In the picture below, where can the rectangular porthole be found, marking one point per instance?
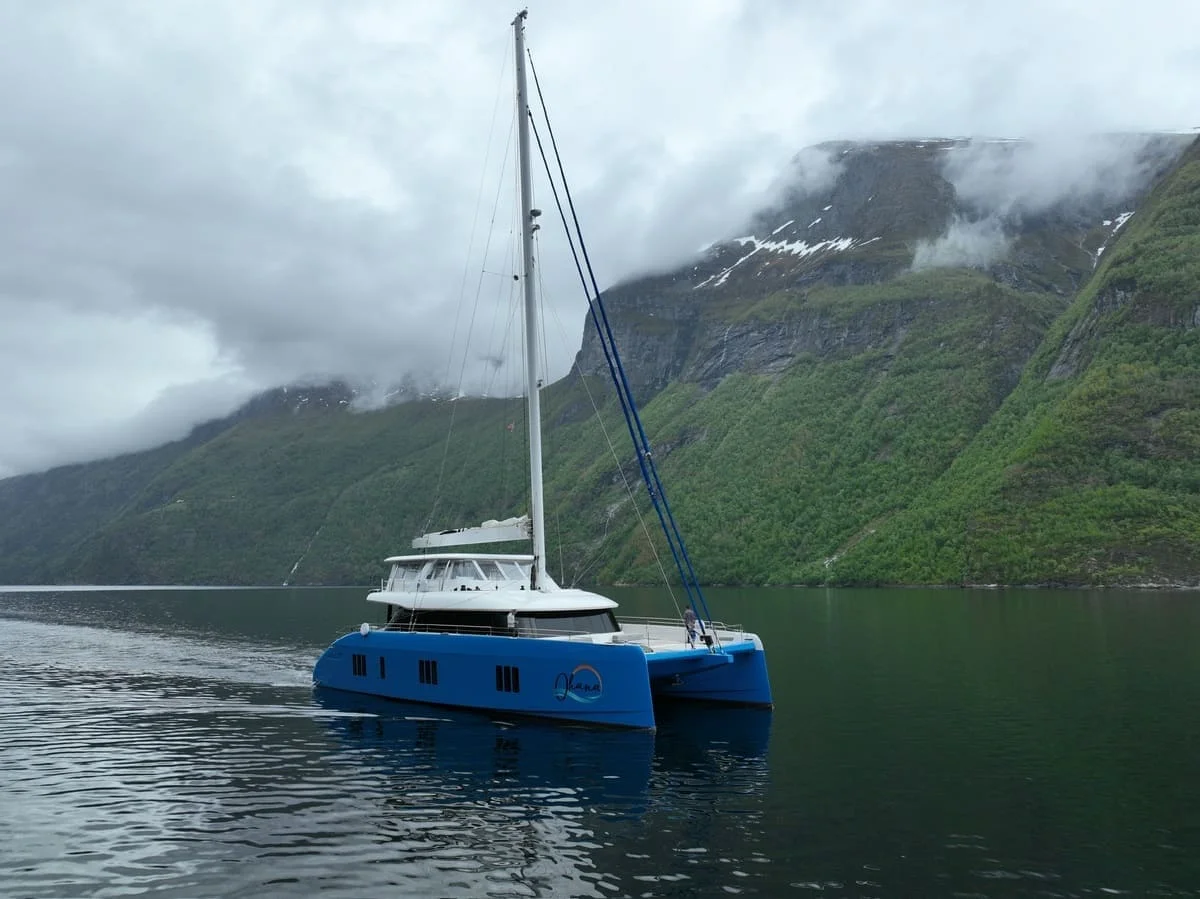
(358, 664)
(382, 668)
(508, 679)
(427, 672)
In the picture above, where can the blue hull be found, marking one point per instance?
(610, 685)
(568, 681)
(737, 674)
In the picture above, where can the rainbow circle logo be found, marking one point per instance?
(584, 684)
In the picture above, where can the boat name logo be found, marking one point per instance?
(584, 684)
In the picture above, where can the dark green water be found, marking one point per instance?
(925, 743)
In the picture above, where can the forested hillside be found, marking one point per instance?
(835, 397)
(1090, 472)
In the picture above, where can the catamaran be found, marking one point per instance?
(494, 632)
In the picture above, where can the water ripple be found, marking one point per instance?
(183, 763)
(171, 743)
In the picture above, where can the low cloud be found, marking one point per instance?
(1001, 182)
(813, 170)
(1080, 171)
(973, 244)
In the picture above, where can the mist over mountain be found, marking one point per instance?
(839, 390)
(864, 213)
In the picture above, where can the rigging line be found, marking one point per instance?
(633, 502)
(518, 304)
(525, 435)
(628, 407)
(510, 303)
(498, 355)
(544, 347)
(506, 405)
(590, 563)
(562, 571)
(478, 204)
(623, 404)
(437, 489)
(479, 286)
(612, 450)
(507, 277)
(654, 485)
(537, 255)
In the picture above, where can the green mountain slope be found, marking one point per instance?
(769, 474)
(819, 416)
(45, 517)
(1090, 472)
(330, 489)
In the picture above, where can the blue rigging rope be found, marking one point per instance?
(633, 420)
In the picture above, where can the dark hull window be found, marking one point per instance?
(508, 679)
(427, 672)
(449, 621)
(548, 624)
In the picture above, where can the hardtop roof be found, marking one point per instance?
(436, 557)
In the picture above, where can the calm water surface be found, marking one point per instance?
(925, 743)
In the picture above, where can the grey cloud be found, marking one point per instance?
(239, 195)
(1028, 177)
(966, 243)
(999, 182)
(812, 170)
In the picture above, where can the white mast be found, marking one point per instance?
(537, 578)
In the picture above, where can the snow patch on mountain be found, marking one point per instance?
(1115, 225)
(799, 248)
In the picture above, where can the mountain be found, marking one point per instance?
(890, 207)
(931, 362)
(1090, 470)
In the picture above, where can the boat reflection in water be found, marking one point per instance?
(471, 755)
(691, 731)
(465, 803)
(475, 755)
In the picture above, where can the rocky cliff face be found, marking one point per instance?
(882, 211)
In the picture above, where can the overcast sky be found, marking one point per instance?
(202, 199)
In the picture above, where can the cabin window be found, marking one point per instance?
(358, 664)
(382, 668)
(514, 572)
(550, 624)
(405, 577)
(491, 570)
(437, 574)
(458, 621)
(508, 679)
(465, 569)
(427, 671)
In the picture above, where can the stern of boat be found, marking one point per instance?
(732, 670)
